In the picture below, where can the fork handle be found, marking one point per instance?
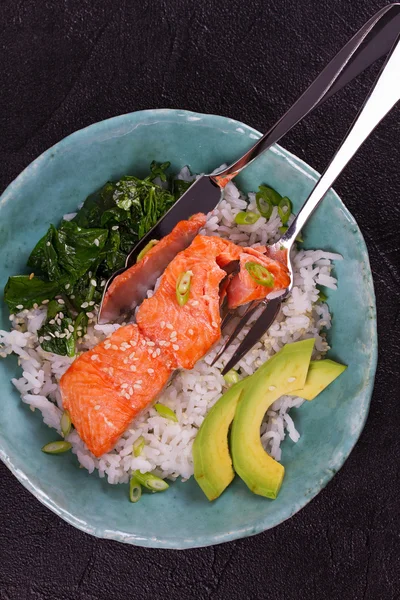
(371, 42)
(384, 94)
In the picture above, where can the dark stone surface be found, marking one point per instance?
(70, 63)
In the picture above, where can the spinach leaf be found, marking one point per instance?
(95, 205)
(57, 334)
(79, 249)
(85, 290)
(44, 257)
(21, 290)
(180, 187)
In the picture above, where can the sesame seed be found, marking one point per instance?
(47, 338)
(132, 354)
(20, 306)
(115, 227)
(62, 335)
(169, 326)
(59, 322)
(172, 335)
(94, 357)
(175, 346)
(137, 386)
(96, 242)
(90, 315)
(291, 379)
(131, 390)
(214, 324)
(154, 355)
(150, 343)
(90, 274)
(44, 301)
(139, 382)
(52, 322)
(79, 333)
(35, 305)
(124, 386)
(72, 296)
(167, 344)
(11, 317)
(114, 347)
(57, 334)
(195, 302)
(60, 301)
(190, 331)
(71, 328)
(161, 343)
(132, 368)
(48, 244)
(67, 286)
(93, 282)
(150, 371)
(126, 360)
(61, 315)
(97, 407)
(107, 346)
(162, 324)
(103, 282)
(31, 276)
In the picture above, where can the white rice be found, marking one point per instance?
(168, 445)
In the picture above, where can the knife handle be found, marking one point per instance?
(371, 42)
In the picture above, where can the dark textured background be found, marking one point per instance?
(68, 63)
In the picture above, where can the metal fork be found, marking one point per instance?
(383, 96)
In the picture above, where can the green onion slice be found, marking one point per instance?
(135, 490)
(56, 447)
(150, 481)
(145, 250)
(246, 218)
(264, 205)
(232, 377)
(322, 297)
(65, 423)
(138, 446)
(269, 193)
(260, 274)
(166, 412)
(284, 210)
(183, 285)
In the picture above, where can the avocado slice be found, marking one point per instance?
(213, 469)
(320, 374)
(285, 372)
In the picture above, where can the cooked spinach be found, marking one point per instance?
(57, 334)
(73, 260)
(24, 291)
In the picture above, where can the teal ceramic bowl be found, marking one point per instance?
(54, 184)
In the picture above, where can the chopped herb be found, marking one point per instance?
(284, 210)
(65, 423)
(246, 218)
(166, 412)
(150, 481)
(260, 274)
(183, 285)
(138, 446)
(145, 250)
(232, 377)
(135, 490)
(56, 447)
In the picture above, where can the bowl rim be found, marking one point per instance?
(260, 526)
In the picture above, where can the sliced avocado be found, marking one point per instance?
(213, 469)
(282, 374)
(320, 374)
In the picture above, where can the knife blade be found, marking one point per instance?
(259, 327)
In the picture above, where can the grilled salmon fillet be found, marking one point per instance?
(129, 288)
(108, 386)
